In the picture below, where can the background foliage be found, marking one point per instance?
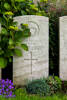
(53, 10)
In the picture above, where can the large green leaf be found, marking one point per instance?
(10, 41)
(18, 52)
(7, 6)
(26, 33)
(3, 21)
(3, 62)
(18, 35)
(24, 46)
(4, 31)
(8, 53)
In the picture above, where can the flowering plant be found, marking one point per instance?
(7, 88)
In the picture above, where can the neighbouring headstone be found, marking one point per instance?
(35, 63)
(63, 48)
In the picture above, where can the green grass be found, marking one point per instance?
(22, 95)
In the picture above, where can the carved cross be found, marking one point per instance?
(31, 61)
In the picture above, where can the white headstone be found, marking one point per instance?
(35, 63)
(63, 48)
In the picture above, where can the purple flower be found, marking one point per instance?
(10, 82)
(3, 81)
(5, 87)
(0, 94)
(7, 81)
(4, 92)
(10, 93)
(7, 90)
(0, 90)
(10, 87)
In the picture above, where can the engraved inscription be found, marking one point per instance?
(31, 61)
(34, 28)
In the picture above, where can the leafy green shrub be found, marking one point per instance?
(59, 82)
(10, 35)
(19, 7)
(54, 83)
(64, 86)
(43, 86)
(38, 86)
(11, 38)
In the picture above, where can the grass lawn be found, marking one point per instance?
(22, 95)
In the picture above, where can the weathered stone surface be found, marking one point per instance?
(63, 48)
(34, 63)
